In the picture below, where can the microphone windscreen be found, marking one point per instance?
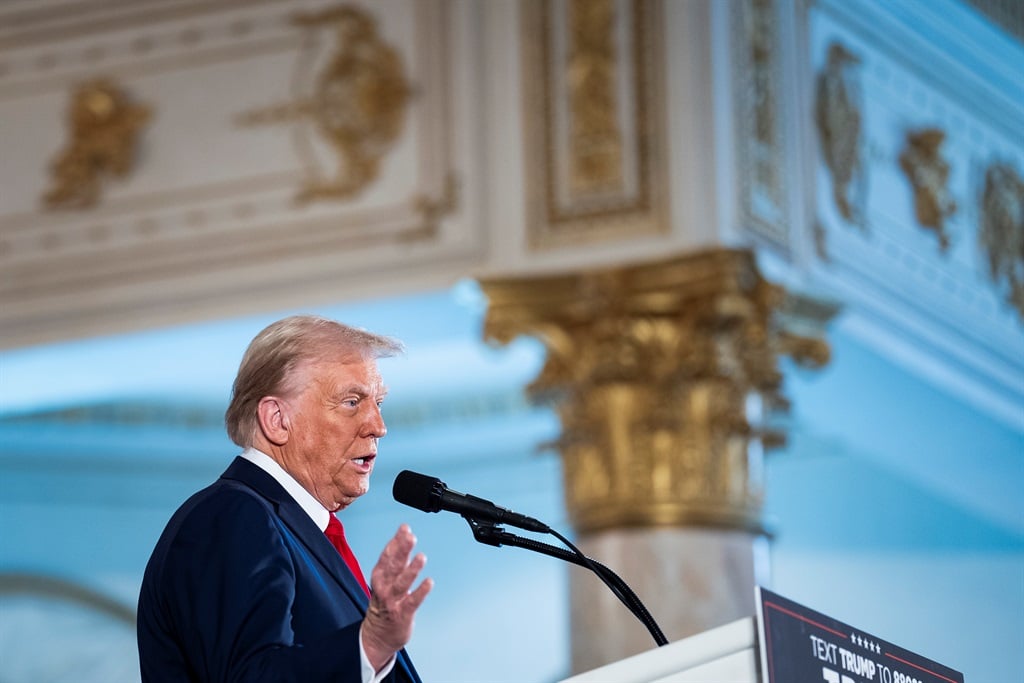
(418, 491)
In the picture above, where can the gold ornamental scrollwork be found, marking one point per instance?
(353, 99)
(665, 377)
(760, 144)
(838, 115)
(921, 161)
(594, 121)
(1001, 233)
(596, 141)
(103, 129)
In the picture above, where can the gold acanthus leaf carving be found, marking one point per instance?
(928, 173)
(663, 376)
(1001, 231)
(103, 126)
(356, 103)
(838, 117)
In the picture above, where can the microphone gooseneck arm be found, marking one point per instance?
(430, 494)
(489, 533)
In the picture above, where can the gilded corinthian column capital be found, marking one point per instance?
(662, 375)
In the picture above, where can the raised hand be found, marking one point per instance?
(388, 624)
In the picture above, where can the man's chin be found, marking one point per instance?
(351, 494)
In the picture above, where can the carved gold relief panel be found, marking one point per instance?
(760, 139)
(364, 93)
(838, 108)
(594, 118)
(103, 127)
(928, 173)
(1001, 230)
(917, 193)
(351, 105)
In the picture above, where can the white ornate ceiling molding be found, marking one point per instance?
(594, 111)
(208, 224)
(911, 111)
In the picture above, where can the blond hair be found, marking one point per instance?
(268, 365)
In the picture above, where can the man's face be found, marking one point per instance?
(334, 427)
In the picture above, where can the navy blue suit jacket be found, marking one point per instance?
(243, 586)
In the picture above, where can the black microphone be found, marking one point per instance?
(430, 494)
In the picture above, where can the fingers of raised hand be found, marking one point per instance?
(395, 572)
(416, 597)
(403, 580)
(393, 605)
(394, 560)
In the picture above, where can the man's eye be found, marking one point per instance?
(350, 402)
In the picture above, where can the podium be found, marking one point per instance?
(784, 643)
(726, 654)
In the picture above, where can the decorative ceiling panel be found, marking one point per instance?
(762, 157)
(594, 109)
(257, 149)
(919, 198)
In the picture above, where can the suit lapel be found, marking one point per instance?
(312, 538)
(301, 526)
(405, 664)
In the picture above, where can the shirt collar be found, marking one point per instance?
(317, 512)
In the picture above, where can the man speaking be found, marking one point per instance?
(252, 579)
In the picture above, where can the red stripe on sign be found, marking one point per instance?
(803, 618)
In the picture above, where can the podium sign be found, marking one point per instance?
(799, 644)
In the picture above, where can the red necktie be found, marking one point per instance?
(336, 534)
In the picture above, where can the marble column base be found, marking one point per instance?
(690, 580)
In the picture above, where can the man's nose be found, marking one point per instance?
(375, 426)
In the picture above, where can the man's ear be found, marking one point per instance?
(272, 414)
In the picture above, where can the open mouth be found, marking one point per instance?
(365, 460)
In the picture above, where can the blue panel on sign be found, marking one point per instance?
(799, 645)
